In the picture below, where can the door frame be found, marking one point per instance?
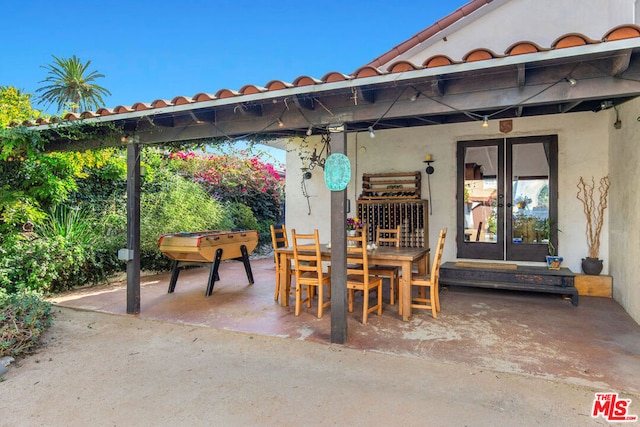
(504, 248)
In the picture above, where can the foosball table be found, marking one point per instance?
(212, 246)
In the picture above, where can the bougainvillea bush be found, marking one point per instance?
(239, 179)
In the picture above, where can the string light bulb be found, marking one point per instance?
(310, 131)
(372, 134)
(485, 122)
(280, 123)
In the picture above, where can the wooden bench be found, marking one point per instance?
(517, 278)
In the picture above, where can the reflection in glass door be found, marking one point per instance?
(509, 206)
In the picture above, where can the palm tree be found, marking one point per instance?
(68, 85)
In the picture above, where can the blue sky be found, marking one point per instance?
(159, 49)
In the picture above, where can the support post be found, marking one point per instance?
(133, 228)
(339, 251)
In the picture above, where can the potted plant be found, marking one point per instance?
(543, 227)
(592, 264)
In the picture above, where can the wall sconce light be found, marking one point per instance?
(372, 134)
(485, 122)
(428, 159)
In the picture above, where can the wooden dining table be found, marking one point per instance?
(383, 255)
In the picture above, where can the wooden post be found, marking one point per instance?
(339, 250)
(133, 228)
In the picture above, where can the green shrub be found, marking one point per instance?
(177, 205)
(23, 319)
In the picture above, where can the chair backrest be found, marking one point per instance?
(306, 253)
(358, 257)
(437, 258)
(279, 238)
(388, 236)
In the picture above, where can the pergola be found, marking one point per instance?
(588, 77)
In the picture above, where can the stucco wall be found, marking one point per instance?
(583, 151)
(624, 208)
(540, 21)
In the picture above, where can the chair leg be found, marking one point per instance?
(298, 299)
(365, 304)
(432, 297)
(320, 301)
(277, 294)
(392, 288)
(380, 300)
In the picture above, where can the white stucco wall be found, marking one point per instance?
(624, 210)
(583, 140)
(503, 23)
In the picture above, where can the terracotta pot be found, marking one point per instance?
(591, 266)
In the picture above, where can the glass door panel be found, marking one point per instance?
(479, 225)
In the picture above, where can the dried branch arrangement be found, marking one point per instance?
(593, 211)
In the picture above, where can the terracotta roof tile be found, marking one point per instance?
(622, 32)
(306, 81)
(572, 40)
(226, 93)
(523, 47)
(480, 55)
(437, 61)
(251, 89)
(520, 48)
(277, 85)
(140, 106)
(201, 97)
(159, 103)
(367, 71)
(181, 100)
(335, 76)
(401, 67)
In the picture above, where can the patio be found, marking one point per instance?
(596, 344)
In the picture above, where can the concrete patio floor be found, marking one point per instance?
(596, 344)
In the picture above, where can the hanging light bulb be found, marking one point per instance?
(310, 131)
(485, 122)
(280, 123)
(372, 134)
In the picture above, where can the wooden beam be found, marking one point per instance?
(364, 94)
(565, 108)
(339, 250)
(133, 228)
(521, 79)
(305, 102)
(248, 110)
(437, 87)
(620, 63)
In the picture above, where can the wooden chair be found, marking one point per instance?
(279, 240)
(388, 237)
(308, 269)
(359, 277)
(431, 302)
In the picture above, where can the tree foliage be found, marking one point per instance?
(70, 84)
(15, 106)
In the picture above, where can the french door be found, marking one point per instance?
(507, 198)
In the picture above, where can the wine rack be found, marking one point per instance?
(410, 215)
(385, 186)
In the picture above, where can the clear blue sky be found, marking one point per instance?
(159, 49)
